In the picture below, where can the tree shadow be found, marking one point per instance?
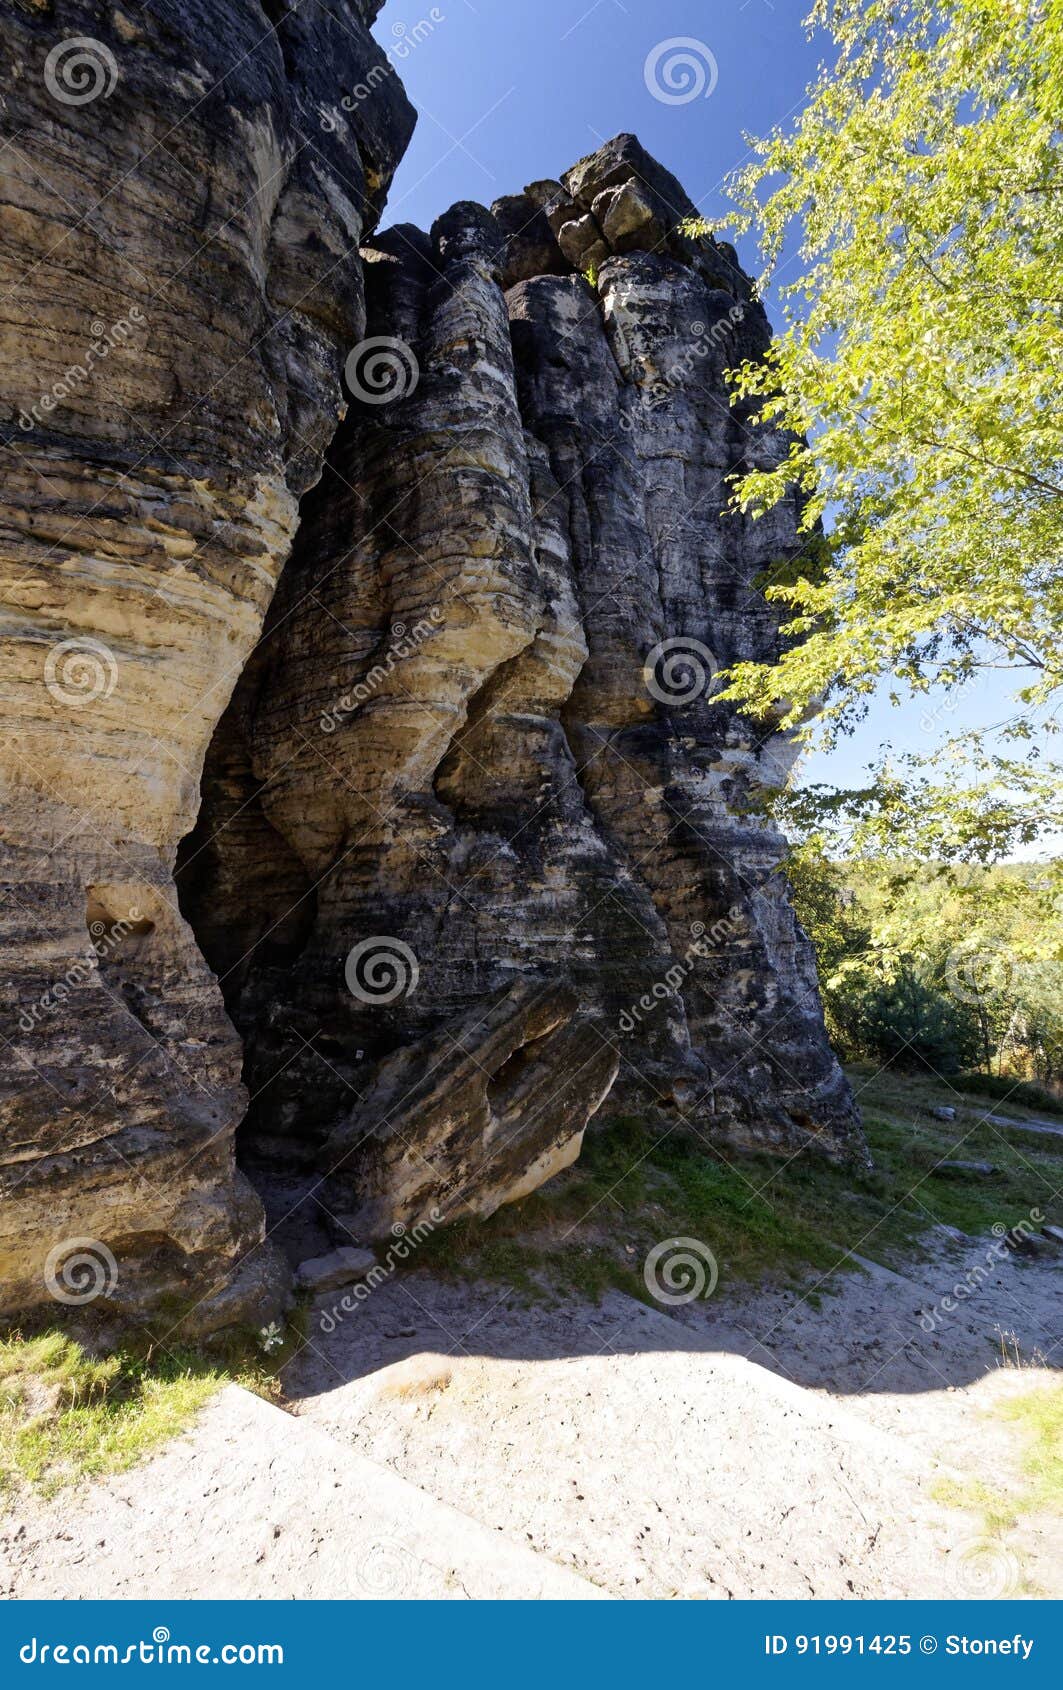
(943, 1323)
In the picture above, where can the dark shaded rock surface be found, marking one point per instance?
(180, 282)
(476, 1115)
(480, 749)
(462, 854)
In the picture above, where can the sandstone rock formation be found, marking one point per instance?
(180, 284)
(470, 840)
(475, 1116)
(479, 746)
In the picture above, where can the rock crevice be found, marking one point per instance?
(180, 281)
(458, 823)
(484, 722)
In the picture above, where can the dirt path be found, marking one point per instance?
(252, 1504)
(757, 1443)
(452, 1440)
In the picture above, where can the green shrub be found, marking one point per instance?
(906, 1019)
(1016, 1091)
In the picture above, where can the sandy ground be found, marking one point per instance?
(452, 1440)
(252, 1504)
(750, 1444)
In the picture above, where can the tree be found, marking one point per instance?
(943, 966)
(920, 374)
(903, 1019)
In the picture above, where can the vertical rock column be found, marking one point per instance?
(404, 738)
(184, 195)
(666, 583)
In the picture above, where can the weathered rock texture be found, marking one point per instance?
(459, 859)
(479, 747)
(183, 202)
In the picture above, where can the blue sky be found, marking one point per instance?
(511, 90)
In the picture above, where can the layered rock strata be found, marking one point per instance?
(479, 756)
(184, 195)
(468, 847)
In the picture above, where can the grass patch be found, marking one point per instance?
(1039, 1416)
(1022, 1093)
(66, 1414)
(637, 1183)
(1002, 1508)
(994, 1506)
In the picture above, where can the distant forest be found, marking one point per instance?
(950, 969)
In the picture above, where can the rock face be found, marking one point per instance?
(477, 767)
(448, 1131)
(469, 843)
(183, 200)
